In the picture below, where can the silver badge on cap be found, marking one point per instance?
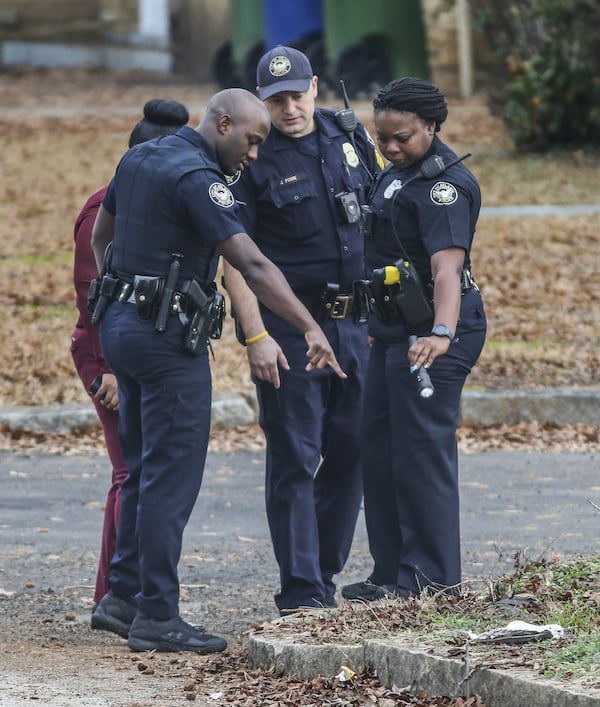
(443, 193)
(280, 66)
(221, 195)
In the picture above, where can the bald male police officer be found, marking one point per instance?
(299, 201)
(169, 214)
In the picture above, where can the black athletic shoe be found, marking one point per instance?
(362, 591)
(367, 591)
(114, 614)
(393, 591)
(326, 603)
(172, 635)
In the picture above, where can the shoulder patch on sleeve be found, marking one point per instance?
(443, 193)
(220, 195)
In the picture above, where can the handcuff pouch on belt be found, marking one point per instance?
(148, 292)
(205, 314)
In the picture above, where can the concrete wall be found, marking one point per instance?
(197, 29)
(65, 19)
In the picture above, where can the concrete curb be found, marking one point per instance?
(397, 662)
(559, 406)
(227, 412)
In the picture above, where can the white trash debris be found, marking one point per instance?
(518, 632)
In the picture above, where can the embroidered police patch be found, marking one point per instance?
(221, 195)
(280, 66)
(351, 156)
(443, 193)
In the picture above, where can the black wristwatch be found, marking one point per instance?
(442, 330)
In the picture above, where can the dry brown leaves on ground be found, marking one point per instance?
(64, 131)
(525, 436)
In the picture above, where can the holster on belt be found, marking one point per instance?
(382, 303)
(105, 295)
(206, 314)
(101, 293)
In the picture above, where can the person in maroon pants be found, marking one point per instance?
(161, 117)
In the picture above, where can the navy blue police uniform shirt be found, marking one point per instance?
(426, 216)
(287, 203)
(170, 195)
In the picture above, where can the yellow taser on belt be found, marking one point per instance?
(392, 274)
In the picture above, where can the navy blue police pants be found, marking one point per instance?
(164, 417)
(410, 473)
(313, 484)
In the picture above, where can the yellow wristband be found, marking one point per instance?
(258, 337)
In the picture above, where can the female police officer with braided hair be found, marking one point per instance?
(410, 474)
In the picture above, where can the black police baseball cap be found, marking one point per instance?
(283, 69)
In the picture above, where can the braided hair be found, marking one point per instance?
(409, 95)
(161, 117)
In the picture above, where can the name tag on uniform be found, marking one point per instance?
(391, 188)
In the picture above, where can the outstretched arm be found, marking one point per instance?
(270, 286)
(264, 353)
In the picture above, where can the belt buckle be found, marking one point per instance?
(340, 306)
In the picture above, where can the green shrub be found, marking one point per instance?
(546, 85)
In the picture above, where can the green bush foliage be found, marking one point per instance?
(547, 83)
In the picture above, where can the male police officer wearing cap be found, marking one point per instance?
(169, 213)
(299, 203)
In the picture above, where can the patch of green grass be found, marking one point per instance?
(507, 346)
(47, 311)
(510, 178)
(39, 259)
(579, 658)
(538, 592)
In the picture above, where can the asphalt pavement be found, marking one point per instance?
(514, 505)
(511, 503)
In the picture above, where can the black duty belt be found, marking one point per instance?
(328, 305)
(126, 293)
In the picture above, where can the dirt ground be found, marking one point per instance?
(48, 653)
